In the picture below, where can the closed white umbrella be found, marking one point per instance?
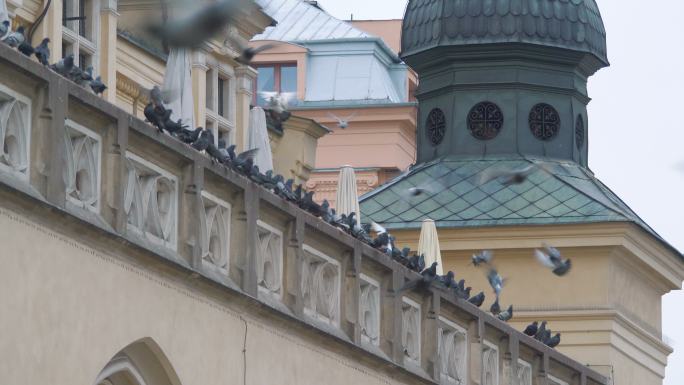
(178, 85)
(347, 194)
(258, 138)
(428, 245)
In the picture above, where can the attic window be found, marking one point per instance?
(544, 122)
(485, 121)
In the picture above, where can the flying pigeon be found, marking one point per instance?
(42, 52)
(482, 257)
(247, 53)
(199, 27)
(552, 259)
(342, 122)
(495, 281)
(507, 177)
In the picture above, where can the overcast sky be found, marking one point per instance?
(636, 128)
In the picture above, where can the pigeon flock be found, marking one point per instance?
(65, 67)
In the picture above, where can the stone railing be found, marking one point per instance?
(65, 148)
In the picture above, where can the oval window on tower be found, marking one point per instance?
(544, 121)
(435, 126)
(485, 121)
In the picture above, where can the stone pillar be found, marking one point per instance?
(245, 76)
(108, 23)
(199, 86)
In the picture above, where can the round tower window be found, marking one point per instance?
(544, 121)
(485, 121)
(579, 132)
(435, 126)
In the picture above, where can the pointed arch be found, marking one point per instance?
(140, 363)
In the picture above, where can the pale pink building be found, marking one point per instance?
(340, 69)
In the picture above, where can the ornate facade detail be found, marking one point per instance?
(215, 232)
(320, 286)
(15, 133)
(410, 331)
(435, 126)
(485, 121)
(453, 352)
(523, 373)
(369, 310)
(269, 259)
(544, 121)
(490, 364)
(151, 201)
(579, 132)
(82, 166)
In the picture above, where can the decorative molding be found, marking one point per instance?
(15, 133)
(82, 166)
(369, 310)
(215, 232)
(269, 259)
(321, 283)
(555, 381)
(453, 352)
(132, 89)
(490, 364)
(411, 330)
(523, 373)
(151, 201)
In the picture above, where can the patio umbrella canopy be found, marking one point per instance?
(347, 201)
(428, 245)
(258, 138)
(178, 84)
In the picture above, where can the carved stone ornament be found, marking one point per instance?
(320, 286)
(545, 121)
(269, 259)
(410, 331)
(579, 132)
(435, 126)
(151, 201)
(485, 121)
(215, 232)
(82, 166)
(490, 365)
(453, 350)
(369, 310)
(524, 373)
(15, 128)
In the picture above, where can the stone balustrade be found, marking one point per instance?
(67, 149)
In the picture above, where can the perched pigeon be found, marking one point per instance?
(428, 276)
(97, 86)
(43, 52)
(86, 77)
(448, 280)
(552, 259)
(416, 263)
(495, 281)
(4, 29)
(188, 136)
(495, 308)
(506, 315)
(16, 38)
(196, 29)
(64, 66)
(342, 122)
(478, 299)
(553, 341)
(532, 328)
(540, 331)
(26, 49)
(482, 257)
(173, 127)
(156, 116)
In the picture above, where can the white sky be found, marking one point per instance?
(636, 133)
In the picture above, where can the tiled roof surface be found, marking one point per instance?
(572, 24)
(558, 192)
(301, 21)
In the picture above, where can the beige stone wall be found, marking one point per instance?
(71, 307)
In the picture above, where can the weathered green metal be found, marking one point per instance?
(568, 24)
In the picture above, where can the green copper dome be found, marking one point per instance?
(569, 24)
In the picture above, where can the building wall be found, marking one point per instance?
(387, 30)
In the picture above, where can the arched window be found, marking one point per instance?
(140, 363)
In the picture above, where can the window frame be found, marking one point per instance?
(222, 125)
(77, 39)
(277, 81)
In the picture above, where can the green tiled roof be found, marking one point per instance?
(558, 192)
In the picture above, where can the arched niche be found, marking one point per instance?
(140, 363)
